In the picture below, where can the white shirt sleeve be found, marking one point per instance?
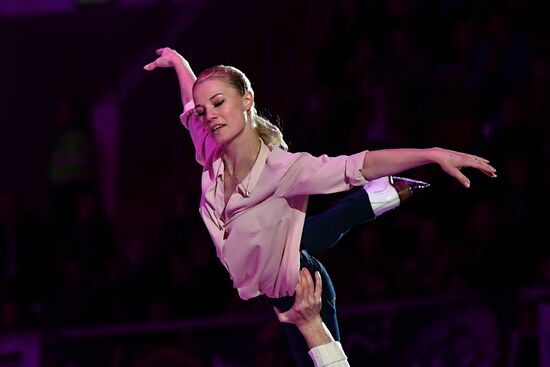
(329, 355)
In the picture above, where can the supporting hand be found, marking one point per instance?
(307, 305)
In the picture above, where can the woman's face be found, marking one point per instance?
(221, 109)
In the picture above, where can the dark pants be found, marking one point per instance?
(321, 232)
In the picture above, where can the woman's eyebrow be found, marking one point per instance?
(214, 96)
(211, 98)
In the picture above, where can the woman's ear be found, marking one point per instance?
(248, 99)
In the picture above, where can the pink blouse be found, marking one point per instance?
(257, 237)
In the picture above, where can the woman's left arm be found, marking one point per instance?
(386, 162)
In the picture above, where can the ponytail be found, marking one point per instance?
(270, 134)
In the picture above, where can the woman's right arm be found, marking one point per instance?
(169, 58)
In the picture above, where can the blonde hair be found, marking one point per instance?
(268, 132)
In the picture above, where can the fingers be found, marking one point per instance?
(310, 299)
(491, 172)
(455, 172)
(482, 165)
(307, 282)
(150, 66)
(161, 52)
(306, 292)
(300, 287)
(308, 286)
(457, 161)
(280, 315)
(479, 159)
(319, 285)
(307, 304)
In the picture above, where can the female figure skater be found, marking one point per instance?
(255, 193)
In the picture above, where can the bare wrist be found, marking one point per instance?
(315, 333)
(310, 324)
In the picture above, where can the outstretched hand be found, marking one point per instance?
(168, 58)
(453, 162)
(307, 305)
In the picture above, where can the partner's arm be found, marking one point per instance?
(305, 314)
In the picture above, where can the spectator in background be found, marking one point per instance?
(72, 164)
(14, 312)
(271, 348)
(91, 238)
(181, 222)
(138, 277)
(373, 279)
(25, 253)
(427, 270)
(70, 303)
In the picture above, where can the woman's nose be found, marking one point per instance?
(211, 114)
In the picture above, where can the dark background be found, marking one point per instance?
(102, 210)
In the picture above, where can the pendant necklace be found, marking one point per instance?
(237, 183)
(234, 179)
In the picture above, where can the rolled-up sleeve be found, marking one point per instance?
(311, 175)
(329, 355)
(205, 146)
